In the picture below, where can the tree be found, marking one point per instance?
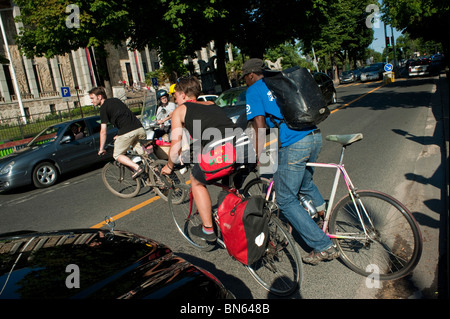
(52, 28)
(338, 32)
(425, 19)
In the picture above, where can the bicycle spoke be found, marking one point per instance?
(280, 269)
(389, 243)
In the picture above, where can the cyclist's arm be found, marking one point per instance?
(175, 138)
(259, 125)
(103, 133)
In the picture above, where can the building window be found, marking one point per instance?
(52, 108)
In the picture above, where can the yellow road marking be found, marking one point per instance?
(131, 210)
(358, 98)
(128, 211)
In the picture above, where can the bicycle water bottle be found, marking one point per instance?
(308, 205)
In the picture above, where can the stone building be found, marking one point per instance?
(39, 80)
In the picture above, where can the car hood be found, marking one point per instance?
(100, 264)
(21, 153)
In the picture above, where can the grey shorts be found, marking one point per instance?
(123, 142)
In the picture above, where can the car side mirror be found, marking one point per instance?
(66, 139)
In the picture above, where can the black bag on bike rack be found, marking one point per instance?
(298, 96)
(244, 226)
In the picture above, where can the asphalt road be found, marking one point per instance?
(399, 155)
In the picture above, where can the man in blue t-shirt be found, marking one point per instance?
(292, 176)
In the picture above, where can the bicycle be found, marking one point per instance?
(118, 177)
(279, 270)
(375, 233)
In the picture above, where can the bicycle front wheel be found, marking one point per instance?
(186, 216)
(279, 270)
(391, 245)
(117, 179)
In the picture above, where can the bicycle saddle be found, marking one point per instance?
(345, 139)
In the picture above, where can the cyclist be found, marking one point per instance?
(292, 175)
(164, 112)
(114, 111)
(197, 117)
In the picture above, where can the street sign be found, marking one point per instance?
(65, 93)
(388, 67)
(155, 82)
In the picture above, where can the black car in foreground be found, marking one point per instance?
(98, 264)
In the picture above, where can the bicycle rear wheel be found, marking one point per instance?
(117, 179)
(185, 216)
(393, 246)
(173, 179)
(280, 269)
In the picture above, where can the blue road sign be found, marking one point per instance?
(65, 91)
(155, 81)
(388, 67)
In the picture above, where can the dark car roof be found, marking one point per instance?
(112, 264)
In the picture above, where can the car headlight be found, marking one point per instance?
(6, 169)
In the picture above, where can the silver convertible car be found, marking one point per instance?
(58, 149)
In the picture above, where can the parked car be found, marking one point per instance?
(99, 264)
(357, 74)
(233, 102)
(437, 62)
(347, 77)
(326, 85)
(373, 72)
(58, 149)
(419, 67)
(207, 97)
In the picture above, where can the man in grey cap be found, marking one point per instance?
(292, 176)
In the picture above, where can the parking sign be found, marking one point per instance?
(65, 93)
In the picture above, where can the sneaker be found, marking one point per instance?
(315, 257)
(198, 231)
(138, 172)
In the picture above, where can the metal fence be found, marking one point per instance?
(14, 133)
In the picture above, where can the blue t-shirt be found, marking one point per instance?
(260, 101)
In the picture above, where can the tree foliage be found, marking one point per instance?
(425, 19)
(177, 28)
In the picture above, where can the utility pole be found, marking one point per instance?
(393, 45)
(387, 43)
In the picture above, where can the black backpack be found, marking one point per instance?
(298, 96)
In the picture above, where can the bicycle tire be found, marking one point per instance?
(395, 246)
(117, 179)
(280, 269)
(173, 179)
(184, 221)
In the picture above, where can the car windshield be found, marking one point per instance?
(346, 72)
(48, 135)
(231, 98)
(370, 69)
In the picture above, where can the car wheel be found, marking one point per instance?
(44, 175)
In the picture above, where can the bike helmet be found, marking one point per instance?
(161, 93)
(172, 89)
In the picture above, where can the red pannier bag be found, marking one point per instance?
(218, 162)
(244, 226)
